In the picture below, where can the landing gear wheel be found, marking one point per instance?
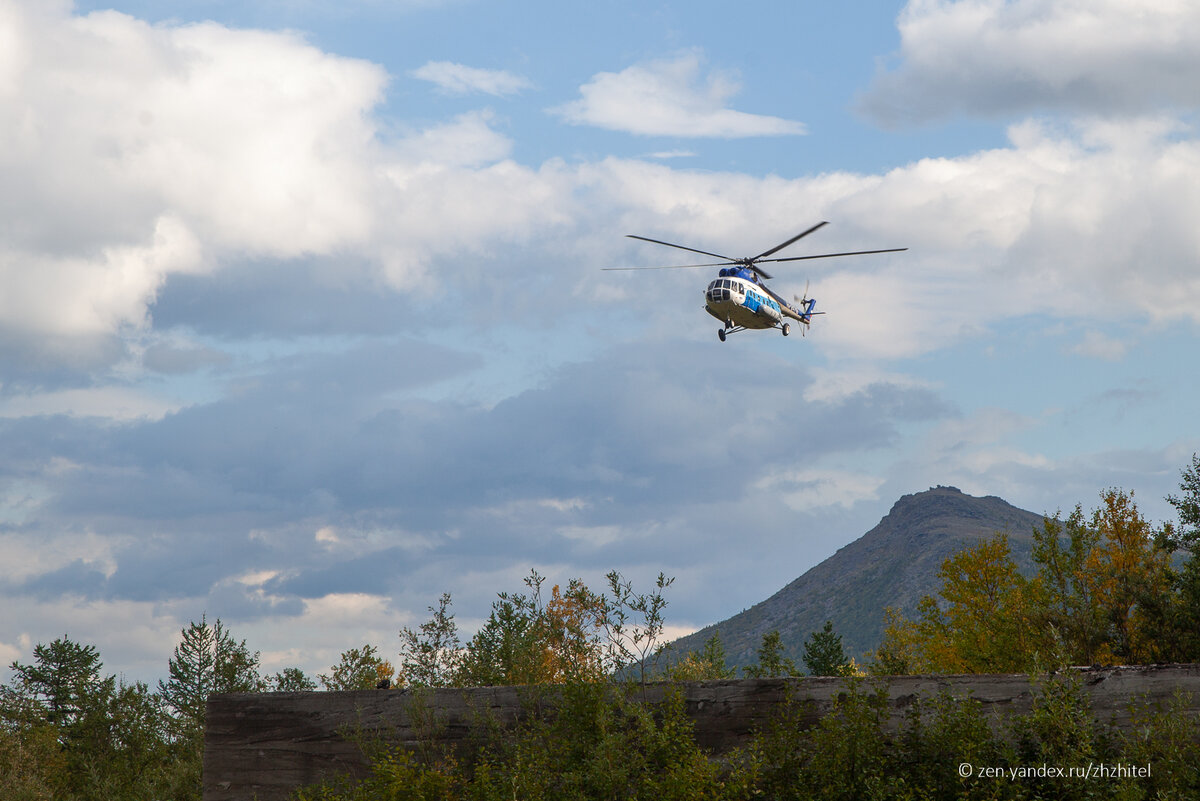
(786, 329)
(721, 333)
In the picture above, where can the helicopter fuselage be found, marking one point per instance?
(738, 299)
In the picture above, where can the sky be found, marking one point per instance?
(303, 320)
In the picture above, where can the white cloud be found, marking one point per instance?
(834, 385)
(466, 141)
(1001, 57)
(667, 98)
(24, 558)
(1097, 345)
(114, 403)
(458, 79)
(807, 489)
(131, 152)
(47, 294)
(594, 536)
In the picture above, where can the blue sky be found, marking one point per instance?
(303, 322)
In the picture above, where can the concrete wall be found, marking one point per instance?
(263, 745)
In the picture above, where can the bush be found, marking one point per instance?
(598, 741)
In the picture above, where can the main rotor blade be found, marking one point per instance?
(676, 266)
(832, 255)
(681, 247)
(778, 248)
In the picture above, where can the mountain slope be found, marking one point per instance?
(893, 564)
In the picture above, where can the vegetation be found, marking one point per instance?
(771, 661)
(600, 741)
(1108, 587)
(823, 654)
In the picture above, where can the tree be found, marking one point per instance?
(63, 678)
(979, 622)
(1134, 577)
(1105, 583)
(120, 749)
(207, 660)
(708, 664)
(505, 650)
(573, 630)
(530, 641)
(823, 654)
(987, 618)
(291, 680)
(430, 656)
(82, 735)
(771, 661)
(632, 645)
(1185, 610)
(359, 669)
(1066, 583)
(1187, 506)
(574, 636)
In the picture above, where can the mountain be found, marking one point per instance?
(893, 564)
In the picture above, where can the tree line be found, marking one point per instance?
(68, 731)
(1109, 588)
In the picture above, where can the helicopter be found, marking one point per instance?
(740, 299)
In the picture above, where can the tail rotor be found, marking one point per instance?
(806, 309)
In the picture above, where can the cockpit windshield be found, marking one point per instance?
(722, 289)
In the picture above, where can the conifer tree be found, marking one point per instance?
(823, 654)
(207, 660)
(63, 677)
(771, 661)
(1185, 611)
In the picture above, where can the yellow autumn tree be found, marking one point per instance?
(573, 635)
(982, 620)
(1133, 577)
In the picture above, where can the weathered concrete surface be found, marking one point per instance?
(264, 745)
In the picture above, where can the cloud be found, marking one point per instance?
(108, 403)
(663, 98)
(998, 57)
(383, 497)
(188, 209)
(808, 489)
(467, 141)
(134, 153)
(458, 79)
(1097, 345)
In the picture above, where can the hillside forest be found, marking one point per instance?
(1109, 587)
